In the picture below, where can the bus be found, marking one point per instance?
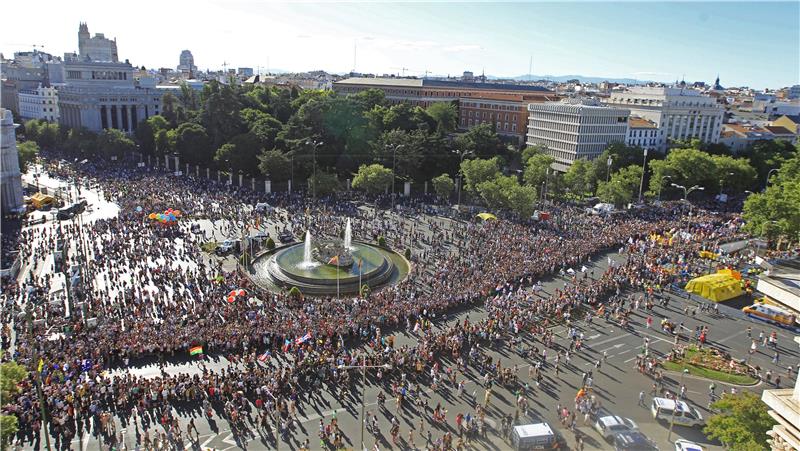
(771, 314)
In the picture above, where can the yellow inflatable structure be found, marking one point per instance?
(717, 287)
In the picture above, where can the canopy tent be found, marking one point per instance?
(718, 287)
(39, 200)
(486, 216)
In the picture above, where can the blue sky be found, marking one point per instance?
(755, 44)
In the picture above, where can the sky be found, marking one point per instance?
(754, 44)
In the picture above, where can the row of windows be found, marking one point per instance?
(492, 106)
(641, 142)
(636, 133)
(109, 75)
(482, 115)
(504, 126)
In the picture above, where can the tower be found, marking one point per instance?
(83, 38)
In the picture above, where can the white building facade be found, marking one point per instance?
(573, 129)
(681, 113)
(10, 177)
(784, 407)
(643, 133)
(39, 103)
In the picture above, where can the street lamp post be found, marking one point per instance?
(687, 191)
(364, 367)
(661, 185)
(314, 145)
(461, 155)
(722, 182)
(608, 168)
(766, 183)
(394, 163)
(641, 183)
(677, 401)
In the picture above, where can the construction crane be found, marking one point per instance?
(404, 69)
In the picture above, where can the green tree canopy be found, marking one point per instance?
(27, 152)
(11, 374)
(536, 169)
(742, 422)
(8, 429)
(530, 151)
(623, 186)
(240, 154)
(482, 141)
(776, 211)
(192, 143)
(373, 178)
(478, 171)
(735, 175)
(401, 149)
(325, 183)
(446, 116)
(505, 192)
(112, 142)
(443, 186)
(578, 178)
(275, 165)
(146, 133)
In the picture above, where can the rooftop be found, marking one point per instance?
(778, 130)
(430, 83)
(638, 122)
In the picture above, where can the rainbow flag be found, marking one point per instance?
(195, 350)
(334, 260)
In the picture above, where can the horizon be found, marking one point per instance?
(586, 39)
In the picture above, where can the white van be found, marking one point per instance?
(535, 436)
(685, 415)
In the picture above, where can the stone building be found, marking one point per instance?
(10, 177)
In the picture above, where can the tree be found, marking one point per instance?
(478, 171)
(536, 169)
(687, 167)
(275, 165)
(735, 175)
(112, 142)
(146, 133)
(530, 151)
(521, 200)
(240, 154)
(742, 422)
(8, 429)
(443, 185)
(765, 155)
(192, 143)
(482, 141)
(446, 116)
(27, 152)
(50, 135)
(505, 192)
(622, 187)
(578, 178)
(266, 130)
(81, 141)
(374, 178)
(401, 150)
(11, 374)
(325, 182)
(776, 211)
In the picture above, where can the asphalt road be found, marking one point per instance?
(617, 384)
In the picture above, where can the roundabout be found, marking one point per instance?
(328, 267)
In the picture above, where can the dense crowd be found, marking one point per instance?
(152, 293)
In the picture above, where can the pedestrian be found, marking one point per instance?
(641, 399)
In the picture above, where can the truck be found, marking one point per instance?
(602, 209)
(535, 436)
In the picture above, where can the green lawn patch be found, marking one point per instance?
(209, 246)
(699, 362)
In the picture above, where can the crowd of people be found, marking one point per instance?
(148, 291)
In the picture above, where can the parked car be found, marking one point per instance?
(609, 425)
(535, 436)
(633, 441)
(684, 415)
(686, 445)
(286, 237)
(227, 247)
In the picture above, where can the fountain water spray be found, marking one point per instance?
(348, 236)
(308, 260)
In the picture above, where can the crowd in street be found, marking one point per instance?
(150, 293)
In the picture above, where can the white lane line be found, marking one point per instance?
(592, 337)
(623, 352)
(630, 360)
(731, 336)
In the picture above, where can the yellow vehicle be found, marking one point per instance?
(772, 314)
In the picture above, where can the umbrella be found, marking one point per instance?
(486, 216)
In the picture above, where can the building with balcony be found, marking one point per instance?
(39, 103)
(507, 112)
(681, 113)
(643, 133)
(575, 128)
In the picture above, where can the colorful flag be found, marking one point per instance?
(334, 260)
(41, 365)
(286, 345)
(195, 350)
(264, 357)
(303, 339)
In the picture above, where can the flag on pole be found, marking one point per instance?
(334, 260)
(195, 350)
(264, 357)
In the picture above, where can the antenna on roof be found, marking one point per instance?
(530, 67)
(355, 43)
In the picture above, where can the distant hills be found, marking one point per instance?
(582, 78)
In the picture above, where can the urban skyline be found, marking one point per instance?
(659, 41)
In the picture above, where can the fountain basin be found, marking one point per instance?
(372, 266)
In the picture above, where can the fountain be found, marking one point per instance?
(348, 236)
(312, 268)
(308, 259)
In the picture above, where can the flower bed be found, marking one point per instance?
(710, 364)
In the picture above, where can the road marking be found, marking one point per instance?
(616, 346)
(731, 336)
(631, 359)
(592, 337)
(623, 352)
